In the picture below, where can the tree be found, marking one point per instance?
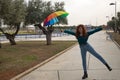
(41, 10)
(37, 11)
(4, 8)
(48, 10)
(111, 24)
(13, 13)
(0, 42)
(34, 12)
(118, 22)
(47, 31)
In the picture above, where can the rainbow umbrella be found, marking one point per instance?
(52, 18)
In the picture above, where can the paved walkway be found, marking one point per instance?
(68, 66)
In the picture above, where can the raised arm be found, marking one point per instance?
(94, 31)
(69, 32)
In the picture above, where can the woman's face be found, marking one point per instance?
(80, 29)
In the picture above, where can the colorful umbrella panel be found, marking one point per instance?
(52, 18)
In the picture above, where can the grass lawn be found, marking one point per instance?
(24, 55)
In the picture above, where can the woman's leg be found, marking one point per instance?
(83, 55)
(93, 52)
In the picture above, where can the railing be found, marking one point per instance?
(32, 36)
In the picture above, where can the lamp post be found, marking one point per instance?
(115, 4)
(108, 19)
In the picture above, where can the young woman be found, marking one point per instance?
(82, 36)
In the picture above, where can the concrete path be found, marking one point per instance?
(68, 66)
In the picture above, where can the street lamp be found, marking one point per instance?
(108, 19)
(115, 4)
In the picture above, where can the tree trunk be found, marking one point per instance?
(115, 29)
(119, 30)
(48, 38)
(11, 39)
(0, 45)
(47, 32)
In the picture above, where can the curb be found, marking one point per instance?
(116, 43)
(41, 64)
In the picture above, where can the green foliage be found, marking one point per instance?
(38, 10)
(4, 8)
(111, 23)
(17, 13)
(12, 11)
(118, 20)
(35, 11)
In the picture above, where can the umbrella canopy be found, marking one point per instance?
(52, 18)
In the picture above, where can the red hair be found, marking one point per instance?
(84, 32)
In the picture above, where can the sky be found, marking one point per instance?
(87, 12)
